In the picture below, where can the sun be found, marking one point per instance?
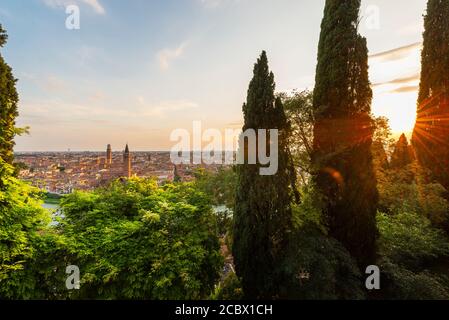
(395, 75)
(399, 108)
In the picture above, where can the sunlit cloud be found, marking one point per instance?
(93, 4)
(401, 80)
(397, 53)
(56, 110)
(405, 89)
(166, 56)
(395, 76)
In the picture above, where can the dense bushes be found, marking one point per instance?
(22, 232)
(137, 240)
(409, 239)
(132, 240)
(409, 246)
(319, 267)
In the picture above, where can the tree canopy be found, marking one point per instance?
(343, 131)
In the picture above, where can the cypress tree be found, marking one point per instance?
(431, 133)
(176, 177)
(380, 158)
(343, 131)
(401, 156)
(263, 214)
(8, 106)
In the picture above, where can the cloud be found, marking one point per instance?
(405, 89)
(402, 80)
(93, 4)
(161, 109)
(167, 56)
(56, 110)
(397, 70)
(397, 53)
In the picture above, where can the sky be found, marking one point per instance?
(136, 70)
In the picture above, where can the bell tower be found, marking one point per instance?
(126, 163)
(109, 155)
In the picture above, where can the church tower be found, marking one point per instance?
(126, 163)
(109, 155)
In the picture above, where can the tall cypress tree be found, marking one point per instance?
(263, 214)
(176, 176)
(431, 133)
(343, 131)
(401, 156)
(8, 106)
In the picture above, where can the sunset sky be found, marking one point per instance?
(138, 69)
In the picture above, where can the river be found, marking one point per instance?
(50, 206)
(55, 210)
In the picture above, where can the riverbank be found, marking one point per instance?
(52, 199)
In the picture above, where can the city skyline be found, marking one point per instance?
(134, 72)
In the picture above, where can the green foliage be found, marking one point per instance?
(381, 146)
(299, 111)
(383, 132)
(317, 267)
(263, 215)
(333, 273)
(408, 245)
(342, 87)
(132, 240)
(220, 186)
(52, 198)
(343, 131)
(397, 189)
(3, 36)
(409, 188)
(230, 289)
(135, 240)
(23, 230)
(412, 250)
(433, 203)
(401, 156)
(410, 239)
(43, 274)
(8, 106)
(430, 137)
(176, 177)
(309, 211)
(402, 284)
